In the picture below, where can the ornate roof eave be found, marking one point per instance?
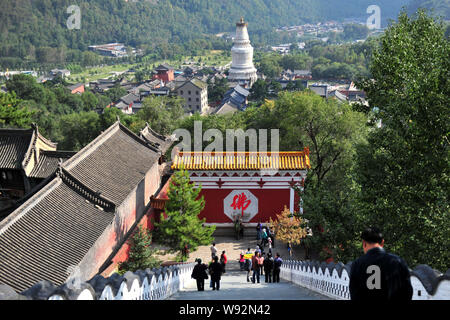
(86, 192)
(32, 147)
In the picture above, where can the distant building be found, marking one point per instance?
(164, 73)
(76, 88)
(320, 89)
(60, 72)
(195, 94)
(336, 94)
(234, 100)
(110, 49)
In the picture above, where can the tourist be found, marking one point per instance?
(378, 275)
(223, 261)
(277, 262)
(255, 267)
(264, 237)
(271, 236)
(215, 270)
(261, 263)
(248, 265)
(199, 274)
(258, 231)
(289, 248)
(213, 251)
(270, 243)
(241, 260)
(268, 268)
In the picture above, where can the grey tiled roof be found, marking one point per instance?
(14, 144)
(114, 163)
(53, 230)
(48, 163)
(155, 139)
(56, 227)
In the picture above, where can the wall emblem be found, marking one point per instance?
(240, 203)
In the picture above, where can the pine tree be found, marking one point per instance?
(141, 256)
(181, 230)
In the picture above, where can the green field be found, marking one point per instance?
(216, 58)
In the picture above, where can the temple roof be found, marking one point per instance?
(48, 162)
(56, 226)
(160, 142)
(164, 67)
(14, 144)
(17, 146)
(50, 232)
(114, 163)
(283, 160)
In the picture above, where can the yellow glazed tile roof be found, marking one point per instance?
(283, 160)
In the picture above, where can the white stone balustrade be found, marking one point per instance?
(156, 284)
(332, 279)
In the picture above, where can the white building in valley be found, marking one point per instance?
(242, 68)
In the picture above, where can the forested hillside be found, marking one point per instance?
(28, 29)
(440, 8)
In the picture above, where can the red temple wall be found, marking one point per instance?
(270, 203)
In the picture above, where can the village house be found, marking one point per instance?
(76, 88)
(195, 94)
(234, 100)
(164, 73)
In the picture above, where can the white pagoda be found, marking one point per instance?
(242, 68)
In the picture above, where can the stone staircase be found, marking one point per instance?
(249, 233)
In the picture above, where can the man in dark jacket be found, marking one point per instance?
(277, 268)
(199, 274)
(215, 270)
(378, 275)
(268, 268)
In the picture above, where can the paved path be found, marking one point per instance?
(232, 248)
(234, 286)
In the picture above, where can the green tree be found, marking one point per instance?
(331, 131)
(181, 230)
(116, 92)
(161, 112)
(11, 113)
(141, 256)
(78, 129)
(259, 91)
(404, 168)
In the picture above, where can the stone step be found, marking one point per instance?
(249, 233)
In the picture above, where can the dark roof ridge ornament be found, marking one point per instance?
(59, 170)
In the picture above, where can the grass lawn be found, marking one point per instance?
(211, 58)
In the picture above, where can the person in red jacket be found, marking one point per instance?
(223, 261)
